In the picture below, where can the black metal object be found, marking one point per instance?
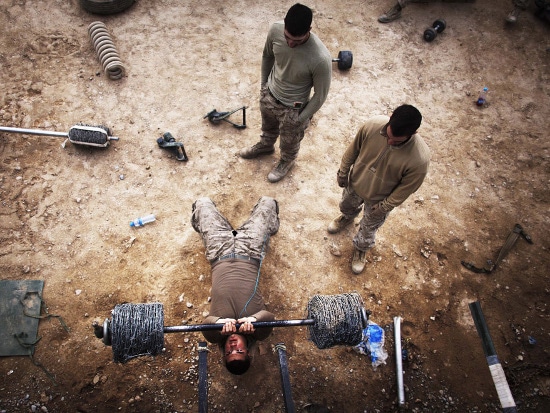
(344, 59)
(79, 134)
(104, 331)
(203, 377)
(256, 324)
(168, 141)
(216, 117)
(497, 373)
(437, 27)
(517, 232)
(285, 378)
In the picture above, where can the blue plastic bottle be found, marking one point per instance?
(482, 97)
(139, 222)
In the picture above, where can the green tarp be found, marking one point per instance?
(20, 302)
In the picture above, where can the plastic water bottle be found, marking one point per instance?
(139, 222)
(376, 341)
(482, 97)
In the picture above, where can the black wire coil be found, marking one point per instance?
(137, 330)
(338, 319)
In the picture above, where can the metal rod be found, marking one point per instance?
(399, 361)
(285, 379)
(33, 132)
(497, 373)
(203, 377)
(256, 324)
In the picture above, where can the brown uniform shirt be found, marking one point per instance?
(233, 288)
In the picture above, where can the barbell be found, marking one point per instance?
(138, 329)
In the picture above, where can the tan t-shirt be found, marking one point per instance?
(236, 295)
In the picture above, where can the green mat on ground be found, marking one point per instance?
(20, 302)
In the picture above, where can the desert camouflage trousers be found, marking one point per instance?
(280, 121)
(251, 239)
(350, 207)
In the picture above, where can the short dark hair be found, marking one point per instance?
(405, 120)
(298, 20)
(238, 367)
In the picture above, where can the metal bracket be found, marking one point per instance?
(168, 141)
(517, 232)
(216, 117)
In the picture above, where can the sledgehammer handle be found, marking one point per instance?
(497, 373)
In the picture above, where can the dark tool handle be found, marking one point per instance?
(497, 373)
(285, 378)
(203, 377)
(256, 324)
(482, 329)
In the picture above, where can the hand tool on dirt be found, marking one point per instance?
(216, 117)
(203, 377)
(437, 27)
(79, 134)
(168, 141)
(285, 378)
(344, 59)
(497, 373)
(510, 241)
(138, 329)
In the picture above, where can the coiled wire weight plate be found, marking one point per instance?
(339, 319)
(106, 50)
(137, 330)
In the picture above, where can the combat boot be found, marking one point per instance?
(358, 261)
(392, 14)
(256, 150)
(280, 171)
(338, 224)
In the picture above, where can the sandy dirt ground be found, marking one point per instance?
(64, 212)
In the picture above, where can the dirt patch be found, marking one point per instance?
(65, 212)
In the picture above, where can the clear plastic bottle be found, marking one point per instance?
(139, 222)
(482, 97)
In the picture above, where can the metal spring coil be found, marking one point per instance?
(338, 319)
(105, 48)
(137, 330)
